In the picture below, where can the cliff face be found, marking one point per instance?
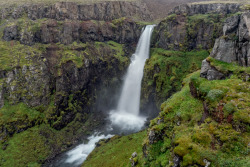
(55, 60)
(68, 10)
(205, 122)
(236, 35)
(51, 31)
(193, 26)
(211, 8)
(232, 47)
(68, 22)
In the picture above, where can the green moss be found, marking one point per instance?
(195, 22)
(165, 71)
(25, 149)
(221, 138)
(116, 151)
(14, 54)
(228, 68)
(10, 113)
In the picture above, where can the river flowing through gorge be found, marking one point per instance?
(126, 117)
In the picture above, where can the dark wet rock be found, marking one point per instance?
(1, 96)
(73, 11)
(127, 31)
(27, 38)
(154, 136)
(193, 90)
(10, 33)
(176, 160)
(209, 72)
(181, 31)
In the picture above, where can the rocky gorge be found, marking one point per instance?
(59, 63)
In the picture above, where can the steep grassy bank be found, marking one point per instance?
(206, 122)
(165, 70)
(116, 151)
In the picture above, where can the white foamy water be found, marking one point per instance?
(126, 116)
(79, 154)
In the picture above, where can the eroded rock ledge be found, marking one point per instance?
(193, 26)
(232, 47)
(212, 8)
(69, 10)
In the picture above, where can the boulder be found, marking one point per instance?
(209, 72)
(133, 159)
(10, 33)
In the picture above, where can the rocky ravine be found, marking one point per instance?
(54, 63)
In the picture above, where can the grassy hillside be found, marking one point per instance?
(205, 121)
(116, 151)
(209, 126)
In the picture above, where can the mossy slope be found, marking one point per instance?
(116, 151)
(205, 121)
(165, 70)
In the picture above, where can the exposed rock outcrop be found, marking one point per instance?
(51, 31)
(133, 159)
(186, 27)
(56, 84)
(69, 10)
(212, 8)
(209, 72)
(233, 46)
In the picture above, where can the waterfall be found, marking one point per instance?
(126, 116)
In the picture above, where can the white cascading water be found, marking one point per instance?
(126, 117)
(79, 154)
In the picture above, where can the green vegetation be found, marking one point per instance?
(194, 23)
(28, 148)
(34, 145)
(28, 134)
(14, 54)
(18, 117)
(165, 70)
(116, 151)
(212, 125)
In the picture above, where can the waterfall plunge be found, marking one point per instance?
(126, 116)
